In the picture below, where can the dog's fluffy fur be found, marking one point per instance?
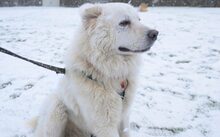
(81, 106)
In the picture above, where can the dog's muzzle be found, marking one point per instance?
(151, 37)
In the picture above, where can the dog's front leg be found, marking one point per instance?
(106, 115)
(124, 127)
(52, 122)
(107, 132)
(128, 100)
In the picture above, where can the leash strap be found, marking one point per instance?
(124, 84)
(52, 68)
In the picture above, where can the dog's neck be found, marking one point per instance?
(104, 68)
(111, 67)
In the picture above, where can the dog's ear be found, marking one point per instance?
(89, 14)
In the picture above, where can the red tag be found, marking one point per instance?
(124, 84)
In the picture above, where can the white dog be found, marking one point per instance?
(94, 96)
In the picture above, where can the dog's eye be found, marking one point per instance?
(125, 23)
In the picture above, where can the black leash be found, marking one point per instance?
(52, 68)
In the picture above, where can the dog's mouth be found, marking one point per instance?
(123, 49)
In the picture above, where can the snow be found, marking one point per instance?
(178, 94)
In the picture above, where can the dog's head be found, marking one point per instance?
(116, 27)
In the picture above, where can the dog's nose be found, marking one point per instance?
(152, 34)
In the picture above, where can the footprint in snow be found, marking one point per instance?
(183, 61)
(4, 85)
(134, 126)
(15, 95)
(19, 136)
(165, 131)
(216, 51)
(26, 87)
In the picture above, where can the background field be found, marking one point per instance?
(74, 3)
(178, 92)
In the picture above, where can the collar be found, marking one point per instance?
(88, 76)
(123, 83)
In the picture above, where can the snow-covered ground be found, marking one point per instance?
(179, 88)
